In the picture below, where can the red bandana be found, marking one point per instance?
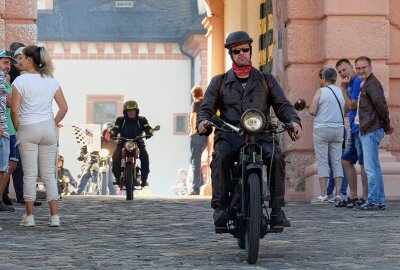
(242, 71)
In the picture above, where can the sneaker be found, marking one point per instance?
(6, 208)
(7, 200)
(368, 206)
(27, 221)
(330, 198)
(54, 221)
(382, 207)
(320, 199)
(221, 217)
(278, 219)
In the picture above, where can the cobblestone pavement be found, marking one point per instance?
(177, 233)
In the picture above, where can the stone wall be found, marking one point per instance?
(18, 22)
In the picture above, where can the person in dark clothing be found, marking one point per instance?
(197, 143)
(64, 176)
(108, 144)
(244, 89)
(130, 126)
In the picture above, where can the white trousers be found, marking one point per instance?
(37, 144)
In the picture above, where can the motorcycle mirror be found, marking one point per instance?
(156, 127)
(300, 104)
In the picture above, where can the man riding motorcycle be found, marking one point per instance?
(244, 88)
(130, 126)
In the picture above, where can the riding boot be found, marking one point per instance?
(278, 219)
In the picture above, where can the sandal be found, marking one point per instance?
(352, 203)
(342, 203)
(361, 201)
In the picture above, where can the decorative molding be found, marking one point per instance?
(113, 50)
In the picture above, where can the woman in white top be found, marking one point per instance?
(36, 126)
(327, 107)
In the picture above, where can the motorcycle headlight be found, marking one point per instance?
(129, 145)
(253, 120)
(104, 153)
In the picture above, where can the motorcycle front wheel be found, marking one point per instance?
(252, 235)
(104, 183)
(129, 180)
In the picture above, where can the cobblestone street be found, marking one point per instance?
(177, 233)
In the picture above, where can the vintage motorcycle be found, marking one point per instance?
(248, 216)
(129, 164)
(89, 176)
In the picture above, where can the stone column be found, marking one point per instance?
(18, 22)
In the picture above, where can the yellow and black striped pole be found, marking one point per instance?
(266, 38)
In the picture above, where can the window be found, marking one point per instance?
(104, 112)
(180, 125)
(103, 108)
(44, 4)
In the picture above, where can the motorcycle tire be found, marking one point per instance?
(129, 180)
(252, 235)
(104, 182)
(241, 243)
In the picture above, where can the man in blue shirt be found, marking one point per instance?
(353, 152)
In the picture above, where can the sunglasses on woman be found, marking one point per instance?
(237, 51)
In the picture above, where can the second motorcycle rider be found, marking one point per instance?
(130, 126)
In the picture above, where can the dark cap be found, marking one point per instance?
(7, 54)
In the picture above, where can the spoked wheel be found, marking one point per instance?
(252, 235)
(129, 180)
(104, 182)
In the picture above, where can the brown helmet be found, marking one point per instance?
(131, 105)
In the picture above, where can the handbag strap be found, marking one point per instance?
(340, 107)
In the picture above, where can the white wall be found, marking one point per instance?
(161, 88)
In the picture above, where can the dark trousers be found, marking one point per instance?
(144, 162)
(197, 145)
(18, 181)
(223, 158)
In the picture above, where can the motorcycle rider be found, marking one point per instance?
(107, 143)
(87, 169)
(61, 175)
(130, 126)
(244, 89)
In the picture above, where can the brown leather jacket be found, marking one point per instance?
(373, 110)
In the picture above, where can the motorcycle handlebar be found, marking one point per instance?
(272, 128)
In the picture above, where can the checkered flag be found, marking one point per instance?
(79, 135)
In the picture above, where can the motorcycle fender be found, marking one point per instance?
(254, 168)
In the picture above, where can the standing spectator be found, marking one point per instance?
(197, 143)
(15, 71)
(36, 126)
(327, 107)
(14, 169)
(180, 186)
(374, 121)
(353, 152)
(5, 65)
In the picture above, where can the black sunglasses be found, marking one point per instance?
(237, 51)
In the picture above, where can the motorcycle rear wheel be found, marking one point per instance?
(252, 235)
(129, 180)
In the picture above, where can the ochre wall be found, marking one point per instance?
(18, 22)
